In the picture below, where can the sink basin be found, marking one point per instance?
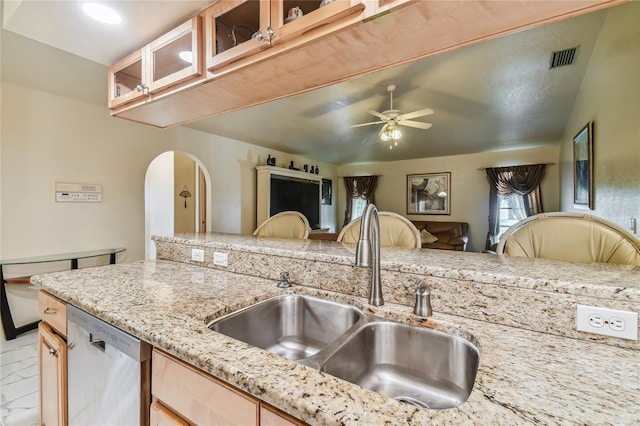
(292, 326)
(416, 365)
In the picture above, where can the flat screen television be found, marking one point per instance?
(302, 195)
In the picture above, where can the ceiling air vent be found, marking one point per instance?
(563, 57)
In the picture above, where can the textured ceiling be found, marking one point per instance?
(495, 95)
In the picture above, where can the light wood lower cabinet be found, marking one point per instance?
(52, 346)
(184, 395)
(53, 376)
(199, 398)
(270, 416)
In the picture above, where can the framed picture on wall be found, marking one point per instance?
(429, 193)
(583, 167)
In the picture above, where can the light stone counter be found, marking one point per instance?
(524, 376)
(534, 294)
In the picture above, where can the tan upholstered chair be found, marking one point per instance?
(573, 237)
(395, 231)
(287, 224)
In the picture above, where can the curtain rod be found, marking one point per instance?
(515, 165)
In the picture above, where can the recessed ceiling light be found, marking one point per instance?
(101, 12)
(186, 55)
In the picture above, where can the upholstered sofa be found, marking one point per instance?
(450, 235)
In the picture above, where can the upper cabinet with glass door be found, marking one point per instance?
(291, 18)
(126, 79)
(174, 58)
(235, 29)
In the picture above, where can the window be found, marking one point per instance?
(511, 211)
(514, 194)
(357, 207)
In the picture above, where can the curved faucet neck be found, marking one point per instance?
(368, 251)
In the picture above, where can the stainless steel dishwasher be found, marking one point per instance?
(108, 373)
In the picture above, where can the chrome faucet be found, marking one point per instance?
(368, 252)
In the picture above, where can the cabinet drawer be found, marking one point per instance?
(197, 397)
(271, 416)
(53, 311)
(162, 416)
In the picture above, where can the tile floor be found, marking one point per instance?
(19, 380)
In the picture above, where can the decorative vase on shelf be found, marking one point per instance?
(317, 170)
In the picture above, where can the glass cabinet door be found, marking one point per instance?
(290, 18)
(235, 29)
(176, 56)
(126, 79)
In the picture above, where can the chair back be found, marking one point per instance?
(288, 224)
(395, 231)
(574, 237)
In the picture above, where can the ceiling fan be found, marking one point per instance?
(392, 118)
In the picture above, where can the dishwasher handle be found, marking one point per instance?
(97, 343)
(102, 334)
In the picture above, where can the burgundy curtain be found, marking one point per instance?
(523, 181)
(359, 187)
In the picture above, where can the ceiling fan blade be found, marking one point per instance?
(367, 124)
(379, 115)
(416, 124)
(416, 114)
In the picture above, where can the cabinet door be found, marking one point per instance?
(53, 377)
(53, 311)
(127, 79)
(314, 14)
(197, 397)
(175, 57)
(235, 29)
(162, 416)
(270, 416)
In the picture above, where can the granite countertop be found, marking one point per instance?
(523, 377)
(619, 282)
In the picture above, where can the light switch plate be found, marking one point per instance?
(608, 322)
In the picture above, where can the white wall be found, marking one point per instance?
(49, 138)
(159, 199)
(469, 187)
(610, 96)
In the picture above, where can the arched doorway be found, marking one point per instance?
(176, 197)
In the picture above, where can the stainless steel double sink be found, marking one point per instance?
(416, 365)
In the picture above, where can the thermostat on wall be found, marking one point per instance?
(78, 193)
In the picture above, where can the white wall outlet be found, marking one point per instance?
(609, 322)
(197, 255)
(220, 259)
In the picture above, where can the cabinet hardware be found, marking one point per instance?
(142, 88)
(48, 311)
(270, 32)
